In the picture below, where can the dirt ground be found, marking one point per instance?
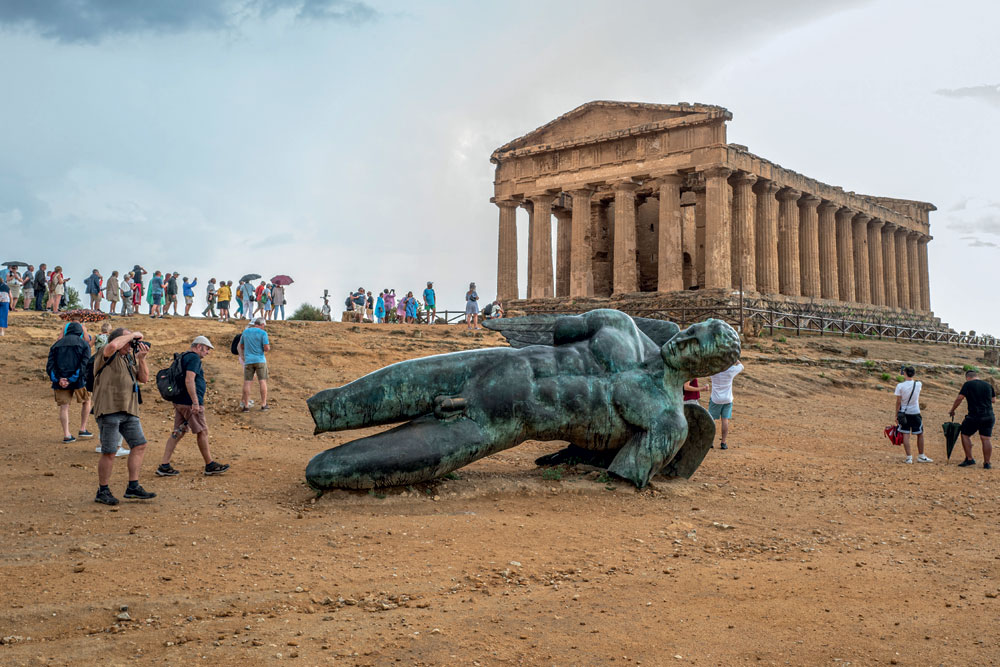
(807, 542)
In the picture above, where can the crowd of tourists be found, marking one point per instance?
(387, 308)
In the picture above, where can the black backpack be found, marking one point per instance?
(234, 347)
(89, 376)
(170, 380)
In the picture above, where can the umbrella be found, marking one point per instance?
(282, 280)
(15, 264)
(951, 432)
(84, 315)
(250, 276)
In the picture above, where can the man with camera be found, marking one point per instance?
(118, 371)
(189, 411)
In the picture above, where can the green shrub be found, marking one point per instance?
(72, 298)
(308, 313)
(553, 473)
(782, 339)
(969, 367)
(899, 378)
(885, 377)
(869, 363)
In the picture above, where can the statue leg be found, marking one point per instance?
(419, 451)
(701, 433)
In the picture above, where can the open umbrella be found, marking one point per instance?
(951, 432)
(282, 280)
(250, 276)
(15, 264)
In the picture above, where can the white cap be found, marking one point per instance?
(203, 340)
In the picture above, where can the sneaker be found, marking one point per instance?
(122, 451)
(987, 466)
(966, 463)
(167, 470)
(265, 407)
(68, 440)
(214, 468)
(909, 459)
(139, 493)
(105, 498)
(98, 449)
(923, 458)
(85, 434)
(723, 445)
(244, 409)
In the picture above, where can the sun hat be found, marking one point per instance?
(203, 340)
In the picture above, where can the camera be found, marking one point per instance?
(136, 343)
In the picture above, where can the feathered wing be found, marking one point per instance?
(539, 329)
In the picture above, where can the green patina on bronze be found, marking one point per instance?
(602, 385)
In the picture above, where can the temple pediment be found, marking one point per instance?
(601, 118)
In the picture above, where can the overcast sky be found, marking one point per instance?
(348, 143)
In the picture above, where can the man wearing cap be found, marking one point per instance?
(189, 411)
(253, 344)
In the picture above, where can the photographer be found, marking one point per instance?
(118, 371)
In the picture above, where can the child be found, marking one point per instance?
(102, 338)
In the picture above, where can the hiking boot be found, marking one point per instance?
(85, 434)
(214, 468)
(167, 470)
(138, 493)
(987, 466)
(966, 463)
(68, 439)
(723, 445)
(923, 458)
(105, 498)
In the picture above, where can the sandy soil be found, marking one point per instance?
(807, 542)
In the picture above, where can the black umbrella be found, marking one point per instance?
(951, 433)
(250, 276)
(15, 264)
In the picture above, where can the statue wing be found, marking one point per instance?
(539, 329)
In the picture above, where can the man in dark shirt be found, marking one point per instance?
(66, 368)
(171, 289)
(189, 411)
(40, 283)
(980, 397)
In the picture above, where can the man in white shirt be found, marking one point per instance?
(720, 405)
(908, 414)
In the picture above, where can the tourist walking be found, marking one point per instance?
(137, 292)
(246, 297)
(40, 284)
(979, 397)
(265, 302)
(155, 296)
(127, 285)
(380, 308)
(172, 292)
(278, 300)
(401, 310)
(92, 287)
(224, 295)
(720, 403)
(118, 371)
(188, 289)
(4, 306)
(13, 283)
(369, 306)
(211, 293)
(254, 343)
(390, 304)
(28, 287)
(359, 299)
(57, 287)
(472, 307)
(66, 368)
(430, 303)
(189, 411)
(411, 308)
(113, 292)
(908, 414)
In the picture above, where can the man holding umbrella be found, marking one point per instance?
(980, 398)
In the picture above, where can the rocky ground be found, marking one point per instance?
(807, 542)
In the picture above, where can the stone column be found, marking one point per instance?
(766, 237)
(744, 245)
(845, 254)
(625, 273)
(925, 277)
(669, 248)
(527, 206)
(902, 270)
(913, 263)
(829, 287)
(581, 274)
(809, 245)
(789, 277)
(507, 251)
(889, 264)
(564, 241)
(718, 237)
(876, 280)
(862, 288)
(541, 247)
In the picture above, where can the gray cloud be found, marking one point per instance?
(989, 93)
(90, 21)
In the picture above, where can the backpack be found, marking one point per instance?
(170, 380)
(234, 347)
(89, 376)
(349, 303)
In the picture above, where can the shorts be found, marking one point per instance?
(119, 426)
(65, 396)
(249, 370)
(911, 424)
(720, 410)
(189, 300)
(984, 426)
(171, 298)
(186, 419)
(223, 305)
(429, 306)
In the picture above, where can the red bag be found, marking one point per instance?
(892, 432)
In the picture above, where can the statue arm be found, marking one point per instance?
(659, 432)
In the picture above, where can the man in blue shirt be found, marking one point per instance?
(188, 295)
(430, 303)
(253, 344)
(93, 288)
(189, 411)
(246, 297)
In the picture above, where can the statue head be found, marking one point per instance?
(702, 349)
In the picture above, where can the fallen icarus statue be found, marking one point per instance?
(597, 381)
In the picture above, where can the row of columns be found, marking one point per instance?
(758, 235)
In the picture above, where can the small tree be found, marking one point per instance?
(72, 298)
(308, 313)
